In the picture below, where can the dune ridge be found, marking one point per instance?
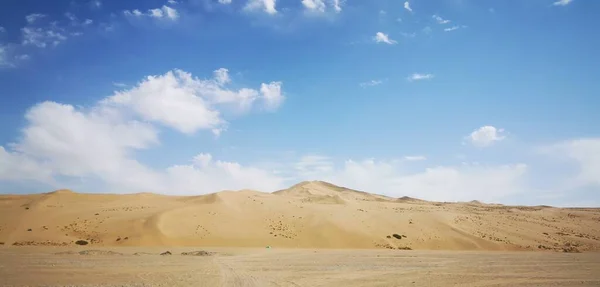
(311, 214)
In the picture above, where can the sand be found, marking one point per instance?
(42, 266)
(308, 215)
(312, 234)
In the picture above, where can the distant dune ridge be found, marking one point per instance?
(310, 214)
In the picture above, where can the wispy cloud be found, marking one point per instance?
(562, 2)
(164, 12)
(419, 77)
(42, 37)
(371, 83)
(440, 20)
(119, 85)
(415, 158)
(454, 28)
(383, 38)
(2, 30)
(96, 4)
(407, 6)
(31, 18)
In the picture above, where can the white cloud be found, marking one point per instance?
(205, 175)
(164, 12)
(562, 2)
(485, 136)
(440, 20)
(119, 85)
(31, 18)
(371, 83)
(3, 60)
(419, 77)
(171, 99)
(407, 6)
(383, 38)
(441, 183)
(415, 158)
(188, 104)
(96, 4)
(98, 143)
(268, 6)
(272, 95)
(22, 57)
(453, 28)
(222, 76)
(585, 153)
(2, 30)
(173, 2)
(314, 5)
(337, 5)
(42, 37)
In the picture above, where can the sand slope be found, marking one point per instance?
(307, 215)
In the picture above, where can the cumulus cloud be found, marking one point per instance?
(584, 153)
(383, 38)
(186, 103)
(419, 77)
(407, 6)
(222, 76)
(314, 5)
(272, 95)
(267, 6)
(485, 136)
(441, 183)
(562, 2)
(164, 12)
(207, 175)
(99, 142)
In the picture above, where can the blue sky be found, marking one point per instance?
(442, 99)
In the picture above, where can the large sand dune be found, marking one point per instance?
(307, 215)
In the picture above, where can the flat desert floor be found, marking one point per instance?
(131, 266)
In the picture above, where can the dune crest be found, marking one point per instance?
(312, 214)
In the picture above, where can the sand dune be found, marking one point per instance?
(307, 215)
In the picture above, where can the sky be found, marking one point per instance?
(447, 100)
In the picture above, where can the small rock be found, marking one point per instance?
(166, 253)
(81, 242)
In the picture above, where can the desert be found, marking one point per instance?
(311, 234)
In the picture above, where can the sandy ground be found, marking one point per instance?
(308, 215)
(45, 266)
(317, 234)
